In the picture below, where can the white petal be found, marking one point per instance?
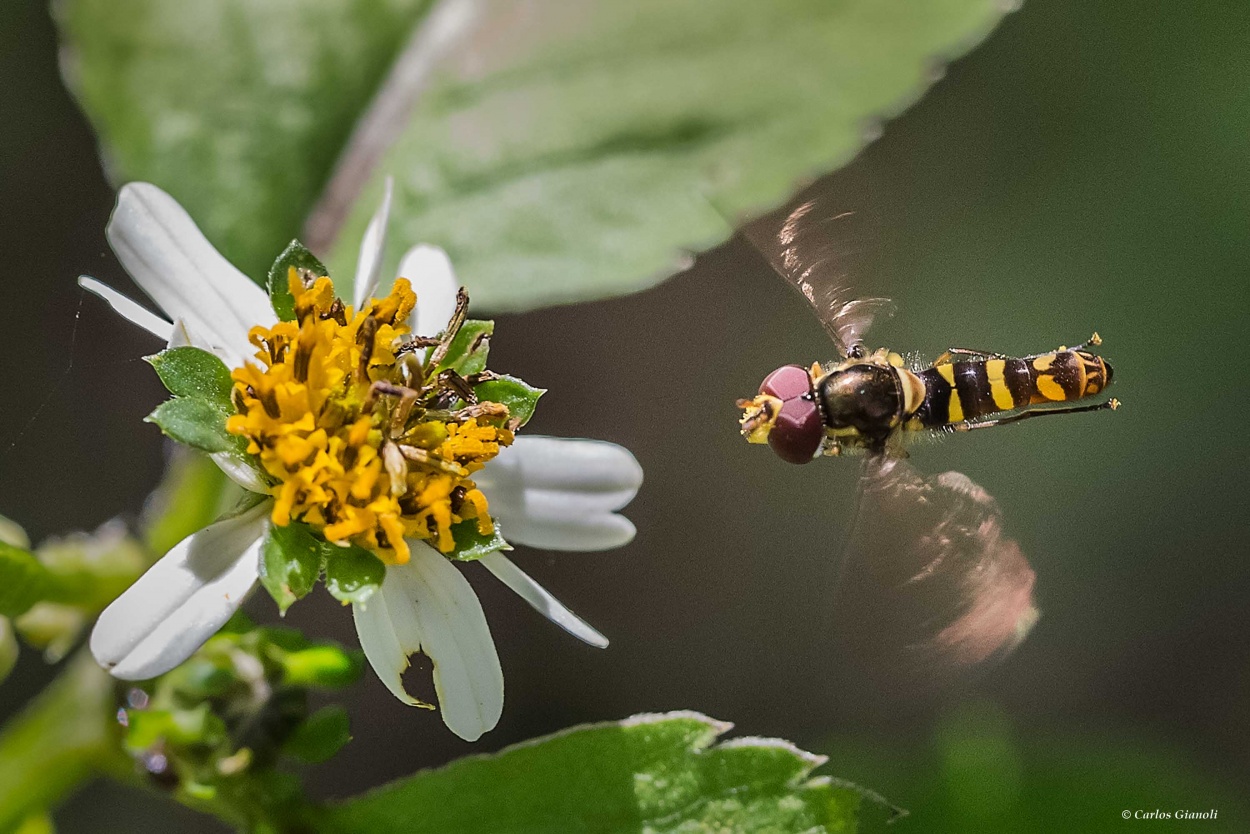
(171, 260)
(182, 600)
(131, 311)
(559, 494)
(372, 248)
(427, 605)
(541, 599)
(589, 467)
(429, 270)
(601, 531)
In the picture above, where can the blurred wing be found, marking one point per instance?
(815, 247)
(931, 585)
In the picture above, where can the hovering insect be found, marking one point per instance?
(930, 558)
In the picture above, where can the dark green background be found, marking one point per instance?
(1086, 168)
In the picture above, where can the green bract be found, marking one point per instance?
(196, 416)
(295, 255)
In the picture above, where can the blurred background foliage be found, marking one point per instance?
(1084, 169)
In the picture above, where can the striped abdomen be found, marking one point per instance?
(957, 391)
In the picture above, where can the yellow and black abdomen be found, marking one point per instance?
(958, 391)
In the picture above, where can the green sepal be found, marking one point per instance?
(353, 574)
(191, 372)
(199, 423)
(23, 580)
(290, 563)
(294, 255)
(467, 352)
(320, 736)
(520, 397)
(472, 545)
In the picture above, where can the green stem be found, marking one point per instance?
(65, 736)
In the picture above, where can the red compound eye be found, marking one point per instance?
(797, 432)
(787, 382)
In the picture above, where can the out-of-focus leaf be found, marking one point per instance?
(323, 667)
(191, 496)
(67, 734)
(8, 648)
(23, 580)
(238, 109)
(320, 736)
(652, 773)
(559, 150)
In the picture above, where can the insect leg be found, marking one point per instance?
(1111, 404)
(453, 327)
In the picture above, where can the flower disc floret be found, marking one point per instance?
(366, 440)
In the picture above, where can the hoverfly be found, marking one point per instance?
(935, 583)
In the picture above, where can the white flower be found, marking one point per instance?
(546, 492)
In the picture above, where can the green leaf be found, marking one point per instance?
(295, 255)
(650, 773)
(520, 397)
(468, 351)
(198, 423)
(472, 545)
(353, 573)
(569, 156)
(195, 373)
(290, 563)
(323, 734)
(23, 580)
(238, 109)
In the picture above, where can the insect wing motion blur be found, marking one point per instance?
(931, 582)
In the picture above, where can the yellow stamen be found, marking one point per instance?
(319, 411)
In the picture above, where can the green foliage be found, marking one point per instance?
(295, 255)
(353, 574)
(290, 562)
(467, 352)
(66, 735)
(471, 545)
(23, 580)
(238, 109)
(197, 423)
(602, 142)
(193, 492)
(215, 729)
(520, 397)
(195, 373)
(196, 416)
(652, 773)
(325, 733)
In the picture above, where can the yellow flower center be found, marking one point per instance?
(367, 442)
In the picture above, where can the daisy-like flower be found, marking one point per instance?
(364, 430)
